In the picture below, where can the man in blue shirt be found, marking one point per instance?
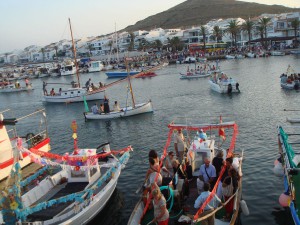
(209, 207)
(202, 135)
(208, 172)
(95, 109)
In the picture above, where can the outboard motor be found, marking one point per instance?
(229, 89)
(237, 87)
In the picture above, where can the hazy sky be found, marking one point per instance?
(41, 22)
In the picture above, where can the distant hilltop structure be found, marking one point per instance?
(280, 28)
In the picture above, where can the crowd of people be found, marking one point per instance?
(176, 167)
(105, 108)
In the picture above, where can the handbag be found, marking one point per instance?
(228, 190)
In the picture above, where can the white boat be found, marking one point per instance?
(230, 56)
(8, 142)
(76, 93)
(289, 80)
(190, 59)
(74, 195)
(135, 109)
(277, 53)
(12, 88)
(293, 120)
(125, 112)
(67, 70)
(250, 55)
(197, 152)
(223, 84)
(296, 52)
(95, 66)
(191, 75)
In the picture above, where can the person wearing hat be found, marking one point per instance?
(168, 163)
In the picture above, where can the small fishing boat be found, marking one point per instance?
(290, 80)
(192, 75)
(9, 88)
(146, 74)
(117, 74)
(75, 194)
(135, 109)
(220, 83)
(198, 150)
(95, 66)
(230, 56)
(287, 165)
(75, 93)
(30, 140)
(293, 120)
(277, 53)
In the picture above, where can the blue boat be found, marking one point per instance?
(120, 73)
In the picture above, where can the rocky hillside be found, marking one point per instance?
(197, 12)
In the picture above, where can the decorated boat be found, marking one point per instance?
(219, 82)
(8, 141)
(287, 165)
(146, 74)
(75, 194)
(135, 109)
(76, 93)
(290, 79)
(183, 212)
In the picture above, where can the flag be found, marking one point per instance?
(221, 131)
(86, 107)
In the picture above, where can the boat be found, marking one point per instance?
(95, 66)
(198, 150)
(250, 55)
(295, 52)
(293, 120)
(219, 82)
(75, 194)
(230, 56)
(277, 53)
(193, 75)
(146, 74)
(190, 59)
(75, 93)
(135, 109)
(32, 139)
(289, 80)
(68, 68)
(287, 165)
(9, 88)
(117, 74)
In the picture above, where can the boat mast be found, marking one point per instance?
(129, 83)
(74, 52)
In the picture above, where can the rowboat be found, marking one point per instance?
(190, 75)
(288, 166)
(198, 150)
(12, 88)
(293, 120)
(75, 194)
(8, 141)
(222, 84)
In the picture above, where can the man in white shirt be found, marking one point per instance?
(95, 109)
(209, 207)
(179, 144)
(208, 172)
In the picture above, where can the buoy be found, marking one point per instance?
(244, 207)
(276, 162)
(284, 200)
(278, 169)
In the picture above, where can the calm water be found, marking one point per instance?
(258, 109)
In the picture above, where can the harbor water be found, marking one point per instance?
(258, 109)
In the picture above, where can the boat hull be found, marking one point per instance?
(75, 97)
(139, 109)
(193, 76)
(222, 88)
(120, 74)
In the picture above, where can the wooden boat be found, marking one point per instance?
(8, 142)
(288, 165)
(10, 88)
(117, 74)
(76, 93)
(135, 109)
(146, 74)
(222, 84)
(74, 195)
(191, 75)
(197, 151)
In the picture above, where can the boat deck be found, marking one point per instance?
(50, 212)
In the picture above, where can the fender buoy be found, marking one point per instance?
(278, 169)
(244, 207)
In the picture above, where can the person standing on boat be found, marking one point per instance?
(44, 88)
(27, 82)
(161, 214)
(209, 207)
(95, 109)
(202, 135)
(116, 107)
(179, 144)
(208, 173)
(106, 105)
(87, 84)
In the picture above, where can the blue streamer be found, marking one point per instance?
(294, 213)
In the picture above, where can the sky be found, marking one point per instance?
(41, 22)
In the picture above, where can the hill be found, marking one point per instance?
(198, 12)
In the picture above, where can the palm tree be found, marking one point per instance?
(260, 30)
(263, 22)
(295, 25)
(43, 53)
(157, 44)
(175, 43)
(233, 28)
(90, 48)
(6, 55)
(203, 32)
(56, 48)
(110, 44)
(248, 26)
(218, 33)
